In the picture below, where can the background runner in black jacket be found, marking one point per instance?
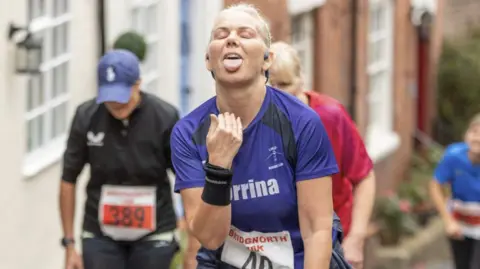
(124, 136)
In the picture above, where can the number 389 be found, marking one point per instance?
(127, 216)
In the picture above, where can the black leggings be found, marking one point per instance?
(466, 253)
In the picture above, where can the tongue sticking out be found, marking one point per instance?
(232, 65)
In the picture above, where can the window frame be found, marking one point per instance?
(151, 77)
(381, 138)
(304, 45)
(51, 150)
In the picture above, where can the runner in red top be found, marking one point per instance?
(354, 186)
(349, 151)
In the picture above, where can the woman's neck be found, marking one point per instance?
(304, 98)
(244, 102)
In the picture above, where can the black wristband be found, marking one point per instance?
(217, 185)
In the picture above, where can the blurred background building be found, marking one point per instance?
(36, 110)
(377, 57)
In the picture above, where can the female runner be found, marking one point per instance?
(354, 186)
(256, 187)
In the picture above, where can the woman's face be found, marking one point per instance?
(472, 138)
(283, 78)
(236, 50)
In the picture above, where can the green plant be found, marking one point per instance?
(394, 217)
(435, 154)
(458, 86)
(133, 42)
(177, 261)
(415, 190)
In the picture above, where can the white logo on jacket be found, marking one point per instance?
(95, 140)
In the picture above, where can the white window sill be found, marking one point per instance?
(35, 162)
(381, 143)
(300, 6)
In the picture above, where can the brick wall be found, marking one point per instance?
(276, 12)
(332, 44)
(404, 83)
(460, 15)
(333, 54)
(333, 60)
(332, 68)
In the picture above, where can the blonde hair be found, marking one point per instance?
(475, 120)
(255, 13)
(286, 57)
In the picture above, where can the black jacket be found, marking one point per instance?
(133, 154)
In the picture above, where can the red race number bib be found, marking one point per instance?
(127, 213)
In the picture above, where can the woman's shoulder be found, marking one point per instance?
(294, 109)
(456, 149)
(196, 122)
(456, 153)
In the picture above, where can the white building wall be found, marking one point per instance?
(31, 230)
(203, 16)
(119, 20)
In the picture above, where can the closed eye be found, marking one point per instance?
(243, 32)
(220, 34)
(247, 33)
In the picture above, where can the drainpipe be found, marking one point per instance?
(424, 31)
(101, 10)
(353, 61)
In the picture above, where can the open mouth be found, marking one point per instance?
(232, 56)
(232, 61)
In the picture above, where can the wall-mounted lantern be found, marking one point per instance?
(28, 54)
(422, 16)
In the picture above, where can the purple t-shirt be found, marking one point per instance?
(284, 144)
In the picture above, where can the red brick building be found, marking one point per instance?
(460, 16)
(384, 76)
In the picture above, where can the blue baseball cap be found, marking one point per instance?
(118, 70)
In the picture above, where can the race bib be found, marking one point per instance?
(468, 215)
(256, 250)
(127, 213)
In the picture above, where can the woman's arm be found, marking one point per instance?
(440, 201)
(190, 254)
(452, 227)
(363, 200)
(357, 166)
(208, 223)
(315, 165)
(444, 174)
(205, 189)
(315, 209)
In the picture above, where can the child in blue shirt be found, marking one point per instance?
(460, 170)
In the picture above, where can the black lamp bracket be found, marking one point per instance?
(13, 29)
